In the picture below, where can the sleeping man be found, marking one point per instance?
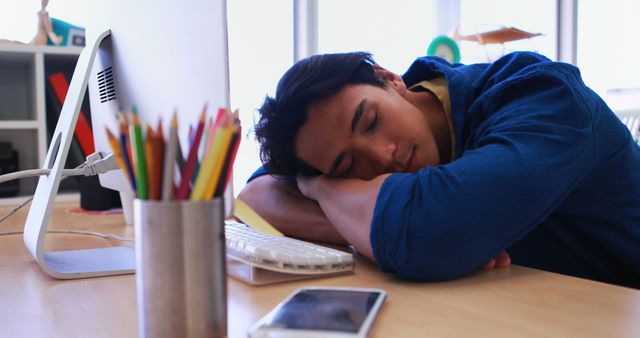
(448, 168)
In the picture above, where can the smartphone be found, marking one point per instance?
(322, 312)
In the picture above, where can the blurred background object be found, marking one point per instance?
(45, 34)
(55, 32)
(20, 21)
(496, 36)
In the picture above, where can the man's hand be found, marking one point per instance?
(347, 203)
(502, 260)
(306, 185)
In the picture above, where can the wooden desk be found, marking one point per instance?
(504, 302)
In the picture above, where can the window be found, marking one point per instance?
(394, 32)
(608, 51)
(260, 51)
(398, 32)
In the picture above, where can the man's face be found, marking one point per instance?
(364, 131)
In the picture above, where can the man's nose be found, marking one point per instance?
(381, 154)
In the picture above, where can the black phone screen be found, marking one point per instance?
(327, 310)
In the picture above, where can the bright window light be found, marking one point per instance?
(608, 51)
(260, 51)
(395, 32)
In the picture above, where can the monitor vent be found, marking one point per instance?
(106, 87)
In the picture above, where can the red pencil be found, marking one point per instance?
(158, 158)
(192, 159)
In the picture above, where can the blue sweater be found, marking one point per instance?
(545, 170)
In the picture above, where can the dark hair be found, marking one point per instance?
(282, 116)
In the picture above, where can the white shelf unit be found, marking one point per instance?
(23, 115)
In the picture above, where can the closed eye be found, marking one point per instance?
(373, 124)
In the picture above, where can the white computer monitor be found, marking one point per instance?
(164, 57)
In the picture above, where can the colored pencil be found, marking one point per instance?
(158, 159)
(228, 163)
(115, 146)
(179, 156)
(190, 164)
(214, 126)
(139, 153)
(151, 169)
(209, 165)
(169, 160)
(219, 152)
(125, 148)
(203, 142)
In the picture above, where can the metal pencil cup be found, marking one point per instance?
(181, 277)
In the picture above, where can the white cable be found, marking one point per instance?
(96, 163)
(76, 232)
(19, 206)
(100, 166)
(22, 174)
(15, 209)
(37, 172)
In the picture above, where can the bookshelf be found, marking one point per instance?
(23, 101)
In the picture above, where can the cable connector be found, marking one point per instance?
(96, 156)
(100, 164)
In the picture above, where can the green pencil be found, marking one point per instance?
(139, 154)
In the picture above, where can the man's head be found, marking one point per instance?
(342, 115)
(309, 80)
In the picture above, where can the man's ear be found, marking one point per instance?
(391, 79)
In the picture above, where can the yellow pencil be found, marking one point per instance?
(115, 146)
(220, 153)
(211, 162)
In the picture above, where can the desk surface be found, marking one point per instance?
(504, 302)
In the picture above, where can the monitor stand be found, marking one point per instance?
(73, 263)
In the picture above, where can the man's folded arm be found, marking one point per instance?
(281, 204)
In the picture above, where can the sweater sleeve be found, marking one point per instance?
(259, 172)
(532, 148)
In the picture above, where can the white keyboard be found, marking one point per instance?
(283, 254)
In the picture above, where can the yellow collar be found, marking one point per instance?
(440, 89)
